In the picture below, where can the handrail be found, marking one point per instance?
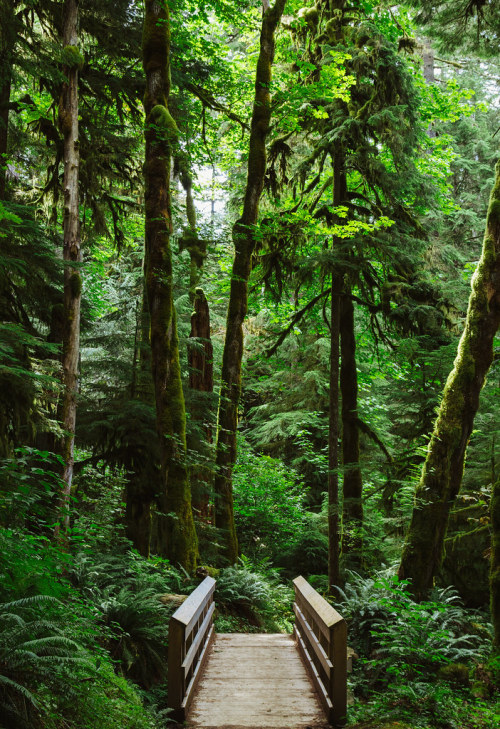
(190, 633)
(321, 634)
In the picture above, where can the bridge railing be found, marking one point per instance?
(321, 634)
(190, 633)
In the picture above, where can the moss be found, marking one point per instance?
(312, 17)
(75, 284)
(164, 123)
(64, 120)
(72, 57)
(455, 673)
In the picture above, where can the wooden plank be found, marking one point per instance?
(189, 612)
(255, 680)
(313, 642)
(200, 637)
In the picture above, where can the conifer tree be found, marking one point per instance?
(176, 532)
(443, 469)
(68, 122)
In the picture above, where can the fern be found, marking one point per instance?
(33, 652)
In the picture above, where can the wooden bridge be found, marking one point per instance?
(258, 680)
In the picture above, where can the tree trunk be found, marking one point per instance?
(201, 382)
(142, 482)
(352, 513)
(442, 472)
(495, 564)
(334, 577)
(176, 532)
(8, 35)
(244, 244)
(333, 440)
(68, 123)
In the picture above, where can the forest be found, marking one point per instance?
(249, 329)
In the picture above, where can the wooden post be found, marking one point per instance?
(337, 653)
(176, 655)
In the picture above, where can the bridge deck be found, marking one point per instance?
(255, 680)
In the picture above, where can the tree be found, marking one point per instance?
(176, 532)
(495, 564)
(443, 469)
(68, 122)
(244, 245)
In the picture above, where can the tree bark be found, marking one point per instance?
(495, 564)
(176, 532)
(443, 469)
(68, 123)
(244, 244)
(352, 511)
(334, 576)
(8, 33)
(201, 382)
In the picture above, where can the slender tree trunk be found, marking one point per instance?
(201, 382)
(244, 244)
(442, 472)
(334, 576)
(68, 123)
(176, 532)
(352, 512)
(141, 485)
(495, 564)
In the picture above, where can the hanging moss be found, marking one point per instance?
(72, 57)
(165, 123)
(75, 284)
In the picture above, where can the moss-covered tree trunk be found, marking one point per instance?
(244, 244)
(495, 564)
(142, 482)
(442, 472)
(8, 34)
(68, 123)
(176, 532)
(352, 486)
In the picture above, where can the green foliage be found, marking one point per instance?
(308, 552)
(253, 594)
(268, 504)
(137, 624)
(415, 659)
(46, 677)
(30, 483)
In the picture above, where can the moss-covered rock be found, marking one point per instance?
(455, 673)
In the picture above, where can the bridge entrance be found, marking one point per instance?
(258, 680)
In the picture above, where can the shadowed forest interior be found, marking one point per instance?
(249, 329)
